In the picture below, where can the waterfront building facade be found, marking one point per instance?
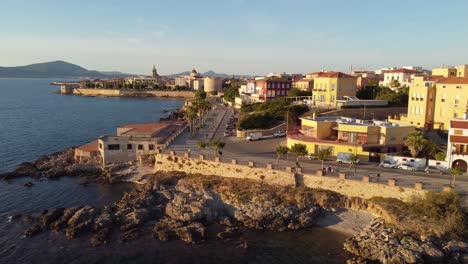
(451, 101)
(367, 139)
(303, 84)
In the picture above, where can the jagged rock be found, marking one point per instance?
(28, 184)
(51, 216)
(34, 230)
(81, 221)
(227, 233)
(63, 220)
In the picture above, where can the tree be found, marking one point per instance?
(353, 160)
(217, 144)
(280, 151)
(191, 115)
(298, 150)
(430, 149)
(200, 95)
(322, 155)
(231, 93)
(454, 173)
(416, 142)
(440, 156)
(201, 145)
(394, 83)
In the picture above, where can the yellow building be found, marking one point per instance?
(365, 138)
(332, 86)
(462, 70)
(421, 103)
(445, 72)
(303, 84)
(451, 101)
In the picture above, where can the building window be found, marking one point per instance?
(455, 115)
(458, 132)
(100, 145)
(129, 146)
(457, 99)
(113, 147)
(151, 146)
(333, 87)
(140, 147)
(443, 98)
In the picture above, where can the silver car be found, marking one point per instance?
(406, 166)
(387, 164)
(434, 169)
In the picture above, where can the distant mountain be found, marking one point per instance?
(53, 69)
(207, 74)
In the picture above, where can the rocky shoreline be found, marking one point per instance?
(379, 243)
(184, 208)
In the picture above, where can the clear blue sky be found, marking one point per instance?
(234, 36)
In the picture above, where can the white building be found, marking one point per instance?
(457, 148)
(402, 75)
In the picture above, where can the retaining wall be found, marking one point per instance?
(116, 93)
(229, 168)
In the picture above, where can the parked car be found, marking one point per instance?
(388, 164)
(279, 134)
(434, 169)
(228, 133)
(312, 157)
(407, 166)
(254, 136)
(345, 158)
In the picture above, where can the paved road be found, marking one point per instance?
(263, 152)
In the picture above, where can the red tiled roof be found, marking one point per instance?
(146, 128)
(316, 73)
(334, 75)
(436, 78)
(92, 146)
(459, 124)
(402, 70)
(455, 80)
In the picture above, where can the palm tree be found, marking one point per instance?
(416, 142)
(298, 150)
(217, 144)
(191, 115)
(201, 145)
(353, 160)
(323, 154)
(281, 150)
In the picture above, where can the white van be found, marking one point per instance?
(345, 158)
(254, 136)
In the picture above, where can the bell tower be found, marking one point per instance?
(155, 72)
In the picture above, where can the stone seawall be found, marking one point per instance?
(230, 168)
(125, 93)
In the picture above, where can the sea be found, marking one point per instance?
(34, 121)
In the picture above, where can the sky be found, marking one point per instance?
(234, 36)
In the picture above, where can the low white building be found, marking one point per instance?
(402, 75)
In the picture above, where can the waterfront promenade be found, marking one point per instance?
(263, 153)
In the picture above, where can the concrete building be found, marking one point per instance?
(365, 78)
(421, 103)
(457, 148)
(367, 139)
(462, 70)
(451, 101)
(87, 151)
(402, 75)
(270, 88)
(303, 84)
(445, 71)
(332, 86)
(192, 81)
(198, 84)
(135, 140)
(213, 84)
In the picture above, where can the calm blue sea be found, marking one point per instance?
(35, 121)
